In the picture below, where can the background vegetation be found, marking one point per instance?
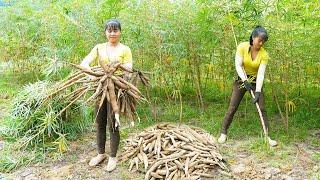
(189, 47)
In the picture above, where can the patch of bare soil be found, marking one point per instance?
(297, 161)
(74, 165)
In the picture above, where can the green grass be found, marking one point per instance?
(12, 158)
(244, 125)
(316, 156)
(9, 85)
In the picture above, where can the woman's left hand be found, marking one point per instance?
(256, 97)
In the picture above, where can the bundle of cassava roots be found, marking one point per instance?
(168, 151)
(107, 82)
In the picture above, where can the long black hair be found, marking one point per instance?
(113, 24)
(259, 31)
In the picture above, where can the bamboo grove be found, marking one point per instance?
(188, 45)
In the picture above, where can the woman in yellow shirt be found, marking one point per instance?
(250, 61)
(111, 51)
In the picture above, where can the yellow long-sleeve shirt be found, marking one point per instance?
(121, 54)
(251, 67)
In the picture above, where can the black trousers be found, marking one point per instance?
(236, 97)
(105, 115)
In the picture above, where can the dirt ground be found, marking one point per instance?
(74, 166)
(297, 161)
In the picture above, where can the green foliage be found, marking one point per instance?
(34, 31)
(36, 118)
(188, 46)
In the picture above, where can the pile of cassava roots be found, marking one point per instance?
(169, 151)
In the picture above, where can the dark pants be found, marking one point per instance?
(106, 116)
(236, 97)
